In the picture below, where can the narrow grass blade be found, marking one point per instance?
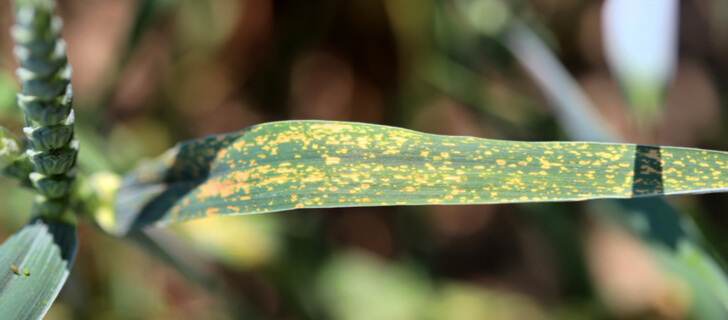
(570, 106)
(34, 265)
(147, 13)
(314, 164)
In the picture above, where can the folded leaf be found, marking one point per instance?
(315, 164)
(34, 265)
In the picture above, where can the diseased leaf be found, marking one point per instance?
(48, 249)
(314, 164)
(666, 231)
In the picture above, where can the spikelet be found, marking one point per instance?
(46, 97)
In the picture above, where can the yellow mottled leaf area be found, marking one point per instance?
(304, 164)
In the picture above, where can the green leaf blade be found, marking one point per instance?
(34, 265)
(314, 164)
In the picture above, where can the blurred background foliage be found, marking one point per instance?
(149, 73)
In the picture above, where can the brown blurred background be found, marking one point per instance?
(148, 74)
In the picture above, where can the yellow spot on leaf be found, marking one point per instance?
(333, 160)
(212, 211)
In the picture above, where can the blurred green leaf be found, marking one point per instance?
(457, 301)
(34, 265)
(237, 243)
(351, 284)
(8, 88)
(148, 12)
(705, 278)
(315, 164)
